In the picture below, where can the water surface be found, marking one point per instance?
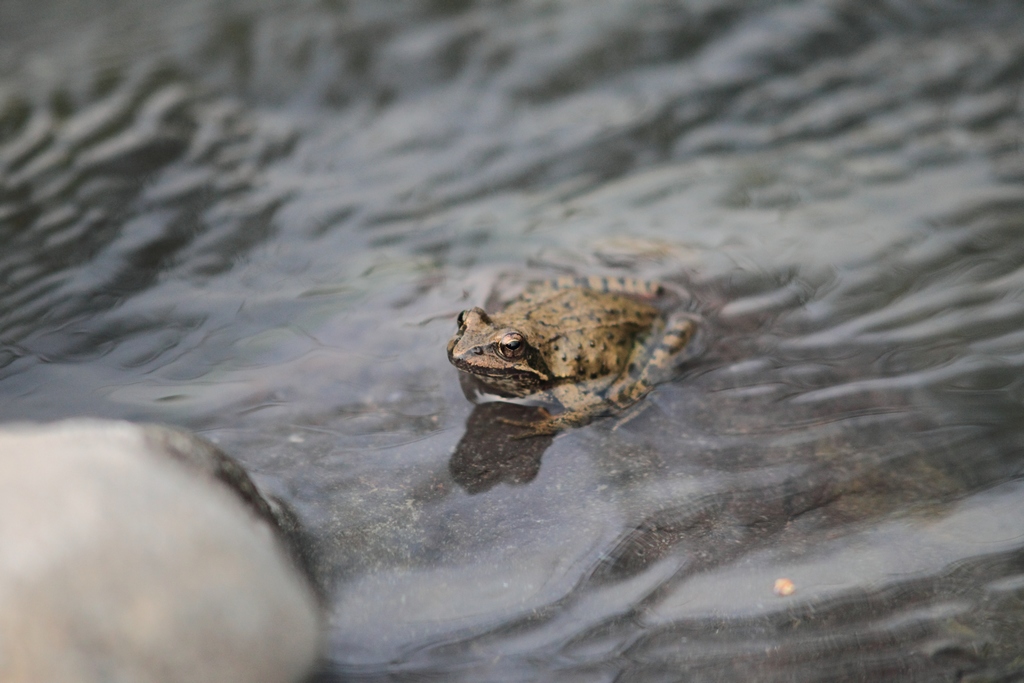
(258, 220)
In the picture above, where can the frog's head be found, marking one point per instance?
(496, 354)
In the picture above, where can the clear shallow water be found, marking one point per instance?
(258, 220)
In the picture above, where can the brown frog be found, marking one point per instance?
(588, 344)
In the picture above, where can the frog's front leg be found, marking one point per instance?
(648, 366)
(583, 402)
(541, 427)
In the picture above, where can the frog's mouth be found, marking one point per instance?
(505, 378)
(492, 372)
(501, 384)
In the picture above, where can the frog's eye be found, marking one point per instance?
(461, 320)
(512, 345)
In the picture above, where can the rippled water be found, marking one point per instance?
(259, 219)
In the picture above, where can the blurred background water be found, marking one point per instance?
(258, 219)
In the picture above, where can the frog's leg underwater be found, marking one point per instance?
(581, 414)
(641, 377)
(552, 424)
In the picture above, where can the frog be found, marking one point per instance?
(590, 345)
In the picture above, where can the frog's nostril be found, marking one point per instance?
(478, 351)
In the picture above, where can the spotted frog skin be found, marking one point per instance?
(589, 344)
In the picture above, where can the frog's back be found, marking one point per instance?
(583, 302)
(582, 332)
(632, 287)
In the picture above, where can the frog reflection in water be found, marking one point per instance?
(589, 344)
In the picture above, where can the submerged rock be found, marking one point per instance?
(125, 559)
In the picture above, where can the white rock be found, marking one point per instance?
(121, 564)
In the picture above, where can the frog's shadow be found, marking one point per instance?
(489, 452)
